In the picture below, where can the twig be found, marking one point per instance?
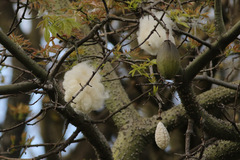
(114, 68)
(193, 37)
(188, 135)
(44, 144)
(61, 147)
(153, 30)
(114, 17)
(158, 97)
(185, 39)
(217, 81)
(7, 158)
(105, 6)
(44, 110)
(120, 109)
(78, 43)
(233, 122)
(37, 100)
(124, 28)
(15, 18)
(18, 68)
(198, 148)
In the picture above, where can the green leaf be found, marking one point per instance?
(154, 61)
(155, 89)
(183, 24)
(46, 35)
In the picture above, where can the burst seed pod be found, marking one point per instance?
(168, 60)
(147, 24)
(162, 137)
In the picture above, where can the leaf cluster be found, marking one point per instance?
(133, 4)
(55, 24)
(20, 111)
(142, 70)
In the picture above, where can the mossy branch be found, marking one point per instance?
(142, 130)
(132, 139)
(118, 98)
(222, 150)
(215, 127)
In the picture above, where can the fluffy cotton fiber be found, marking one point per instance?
(92, 97)
(146, 25)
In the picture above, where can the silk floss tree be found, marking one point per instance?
(155, 36)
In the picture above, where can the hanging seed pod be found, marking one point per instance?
(168, 60)
(162, 137)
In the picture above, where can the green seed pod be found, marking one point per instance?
(168, 60)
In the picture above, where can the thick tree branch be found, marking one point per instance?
(189, 133)
(18, 88)
(219, 23)
(133, 139)
(222, 150)
(21, 55)
(215, 127)
(143, 129)
(90, 131)
(217, 48)
(117, 99)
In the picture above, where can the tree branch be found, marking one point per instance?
(188, 134)
(216, 81)
(94, 136)
(43, 111)
(78, 43)
(222, 150)
(215, 127)
(217, 48)
(61, 147)
(18, 88)
(219, 23)
(21, 55)
(193, 37)
(143, 129)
